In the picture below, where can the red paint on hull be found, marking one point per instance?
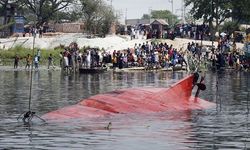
(137, 100)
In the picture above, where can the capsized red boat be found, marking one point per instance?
(177, 97)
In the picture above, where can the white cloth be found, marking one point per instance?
(66, 61)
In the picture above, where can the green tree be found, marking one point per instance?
(241, 11)
(69, 16)
(106, 20)
(230, 27)
(3, 10)
(6, 11)
(98, 17)
(89, 10)
(164, 14)
(210, 11)
(44, 10)
(189, 18)
(145, 16)
(218, 11)
(8, 8)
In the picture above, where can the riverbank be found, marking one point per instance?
(57, 68)
(109, 43)
(22, 68)
(108, 66)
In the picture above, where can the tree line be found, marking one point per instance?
(216, 12)
(162, 14)
(97, 15)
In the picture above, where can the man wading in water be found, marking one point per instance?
(50, 62)
(16, 61)
(36, 62)
(28, 61)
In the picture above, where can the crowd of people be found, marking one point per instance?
(149, 55)
(73, 58)
(225, 55)
(37, 30)
(35, 60)
(155, 55)
(193, 31)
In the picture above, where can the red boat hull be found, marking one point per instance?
(136, 100)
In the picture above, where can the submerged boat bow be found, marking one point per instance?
(177, 97)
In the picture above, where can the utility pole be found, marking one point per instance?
(211, 23)
(172, 5)
(126, 11)
(183, 11)
(111, 3)
(149, 11)
(126, 29)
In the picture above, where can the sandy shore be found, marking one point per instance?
(109, 43)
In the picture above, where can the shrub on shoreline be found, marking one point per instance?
(7, 56)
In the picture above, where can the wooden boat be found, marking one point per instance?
(177, 97)
(178, 67)
(175, 68)
(92, 70)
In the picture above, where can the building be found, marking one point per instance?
(135, 22)
(68, 27)
(159, 26)
(18, 26)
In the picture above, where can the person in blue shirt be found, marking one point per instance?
(36, 61)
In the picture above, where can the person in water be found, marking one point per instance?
(109, 126)
(66, 60)
(50, 61)
(38, 54)
(36, 61)
(28, 61)
(16, 61)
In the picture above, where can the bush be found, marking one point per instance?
(230, 27)
(7, 56)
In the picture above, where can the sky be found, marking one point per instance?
(136, 8)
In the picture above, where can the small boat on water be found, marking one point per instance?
(175, 68)
(177, 97)
(92, 70)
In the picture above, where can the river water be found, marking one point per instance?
(225, 126)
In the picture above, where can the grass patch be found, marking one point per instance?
(7, 56)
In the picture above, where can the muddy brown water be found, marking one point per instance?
(225, 126)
